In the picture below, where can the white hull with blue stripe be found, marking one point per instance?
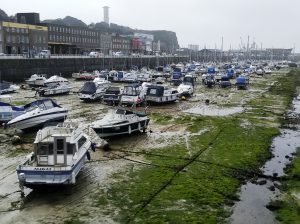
(59, 154)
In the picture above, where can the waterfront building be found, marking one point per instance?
(121, 44)
(18, 38)
(72, 40)
(105, 43)
(147, 40)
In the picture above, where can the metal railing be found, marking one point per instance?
(57, 56)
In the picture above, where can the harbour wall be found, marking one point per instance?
(17, 70)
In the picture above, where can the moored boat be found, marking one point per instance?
(93, 91)
(54, 80)
(58, 89)
(59, 154)
(36, 80)
(121, 121)
(38, 113)
(133, 94)
(160, 94)
(6, 87)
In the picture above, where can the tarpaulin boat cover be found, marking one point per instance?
(113, 90)
(241, 80)
(88, 88)
(211, 71)
(188, 80)
(177, 70)
(224, 78)
(176, 75)
(155, 91)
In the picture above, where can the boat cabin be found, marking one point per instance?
(58, 146)
(160, 94)
(133, 94)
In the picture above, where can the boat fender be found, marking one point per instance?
(93, 146)
(88, 155)
(73, 176)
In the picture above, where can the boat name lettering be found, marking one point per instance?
(42, 169)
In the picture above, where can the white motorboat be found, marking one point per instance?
(54, 80)
(260, 71)
(92, 91)
(185, 89)
(36, 80)
(37, 114)
(6, 87)
(84, 75)
(121, 121)
(144, 77)
(133, 94)
(161, 94)
(58, 89)
(130, 77)
(7, 110)
(267, 70)
(58, 155)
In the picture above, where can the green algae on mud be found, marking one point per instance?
(200, 182)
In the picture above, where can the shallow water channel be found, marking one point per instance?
(255, 196)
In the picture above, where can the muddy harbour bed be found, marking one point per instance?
(219, 163)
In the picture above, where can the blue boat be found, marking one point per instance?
(230, 73)
(176, 78)
(242, 82)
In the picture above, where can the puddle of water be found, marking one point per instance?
(208, 110)
(251, 207)
(283, 147)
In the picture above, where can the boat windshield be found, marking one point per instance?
(42, 104)
(131, 91)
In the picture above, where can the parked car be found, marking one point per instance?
(95, 54)
(45, 54)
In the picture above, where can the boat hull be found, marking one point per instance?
(37, 177)
(35, 82)
(162, 99)
(128, 128)
(35, 122)
(54, 92)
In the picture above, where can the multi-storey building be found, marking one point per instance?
(147, 40)
(72, 40)
(105, 43)
(121, 44)
(18, 38)
(138, 45)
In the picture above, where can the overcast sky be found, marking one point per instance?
(272, 23)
